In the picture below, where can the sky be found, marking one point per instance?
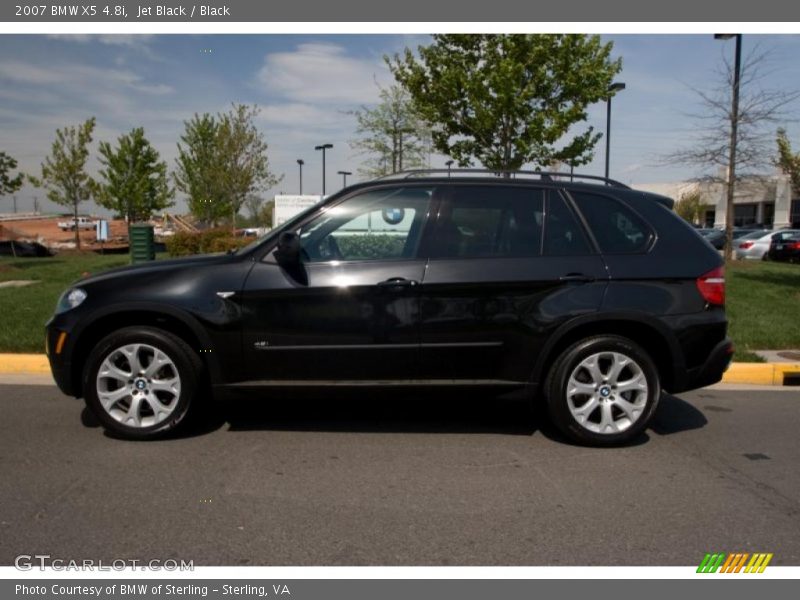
(306, 84)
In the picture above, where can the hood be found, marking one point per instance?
(153, 267)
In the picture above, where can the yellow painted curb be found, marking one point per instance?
(760, 373)
(752, 373)
(34, 364)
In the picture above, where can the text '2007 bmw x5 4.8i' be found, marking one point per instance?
(594, 298)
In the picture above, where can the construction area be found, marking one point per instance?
(56, 233)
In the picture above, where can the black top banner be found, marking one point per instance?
(407, 11)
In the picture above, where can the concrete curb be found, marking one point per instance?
(763, 373)
(32, 364)
(746, 373)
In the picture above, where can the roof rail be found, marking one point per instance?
(542, 175)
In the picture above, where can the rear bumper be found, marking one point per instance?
(708, 373)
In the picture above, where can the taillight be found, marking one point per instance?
(712, 286)
(746, 245)
(795, 245)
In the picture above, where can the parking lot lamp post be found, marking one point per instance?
(612, 89)
(300, 163)
(344, 175)
(323, 147)
(449, 164)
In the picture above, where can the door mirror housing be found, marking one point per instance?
(288, 250)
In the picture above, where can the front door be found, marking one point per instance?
(350, 311)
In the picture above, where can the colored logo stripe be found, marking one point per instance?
(733, 563)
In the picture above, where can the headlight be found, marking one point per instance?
(70, 299)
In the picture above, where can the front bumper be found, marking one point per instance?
(57, 355)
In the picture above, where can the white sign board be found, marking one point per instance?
(101, 230)
(287, 207)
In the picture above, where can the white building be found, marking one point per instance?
(766, 202)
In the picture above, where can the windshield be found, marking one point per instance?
(272, 233)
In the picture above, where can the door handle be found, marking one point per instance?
(576, 278)
(396, 282)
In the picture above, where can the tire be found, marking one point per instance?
(582, 396)
(152, 402)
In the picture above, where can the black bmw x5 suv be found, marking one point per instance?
(589, 296)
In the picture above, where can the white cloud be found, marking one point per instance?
(107, 39)
(322, 72)
(87, 77)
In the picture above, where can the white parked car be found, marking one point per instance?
(755, 246)
(77, 223)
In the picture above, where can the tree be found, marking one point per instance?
(135, 181)
(243, 154)
(758, 111)
(9, 184)
(223, 159)
(392, 134)
(197, 169)
(266, 214)
(691, 206)
(64, 173)
(507, 100)
(788, 161)
(253, 203)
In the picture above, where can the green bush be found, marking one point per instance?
(183, 243)
(212, 240)
(370, 246)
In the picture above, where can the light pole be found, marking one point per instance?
(449, 164)
(344, 175)
(737, 72)
(323, 147)
(612, 89)
(300, 163)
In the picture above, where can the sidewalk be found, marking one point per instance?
(781, 370)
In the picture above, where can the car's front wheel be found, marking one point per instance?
(602, 391)
(141, 382)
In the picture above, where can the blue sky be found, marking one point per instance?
(306, 83)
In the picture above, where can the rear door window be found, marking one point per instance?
(492, 221)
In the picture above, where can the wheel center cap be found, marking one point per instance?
(140, 384)
(605, 391)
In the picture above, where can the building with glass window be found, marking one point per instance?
(766, 201)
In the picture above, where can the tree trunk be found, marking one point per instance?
(75, 225)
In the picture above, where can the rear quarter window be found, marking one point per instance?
(616, 228)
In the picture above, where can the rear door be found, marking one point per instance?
(508, 265)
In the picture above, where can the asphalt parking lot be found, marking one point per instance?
(402, 481)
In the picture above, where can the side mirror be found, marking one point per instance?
(288, 250)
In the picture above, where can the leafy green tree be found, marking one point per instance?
(253, 204)
(221, 160)
(64, 173)
(691, 206)
(788, 161)
(392, 134)
(508, 100)
(9, 184)
(135, 181)
(244, 164)
(198, 168)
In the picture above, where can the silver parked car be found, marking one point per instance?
(755, 246)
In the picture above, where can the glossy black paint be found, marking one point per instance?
(415, 321)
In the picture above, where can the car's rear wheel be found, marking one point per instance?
(602, 391)
(141, 382)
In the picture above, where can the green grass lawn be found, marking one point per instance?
(763, 301)
(763, 304)
(24, 311)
